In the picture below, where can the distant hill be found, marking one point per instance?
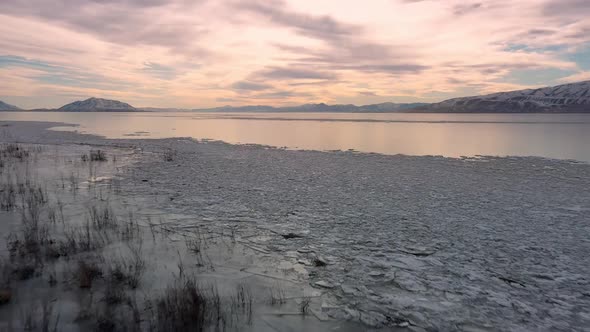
(7, 107)
(163, 109)
(567, 98)
(390, 107)
(97, 105)
(320, 108)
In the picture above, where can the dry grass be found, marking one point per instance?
(304, 305)
(8, 194)
(127, 271)
(87, 272)
(14, 151)
(5, 282)
(94, 155)
(277, 296)
(197, 244)
(40, 317)
(45, 244)
(129, 229)
(102, 218)
(77, 240)
(114, 293)
(185, 307)
(242, 302)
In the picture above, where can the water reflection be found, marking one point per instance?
(564, 136)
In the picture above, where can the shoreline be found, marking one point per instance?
(130, 139)
(134, 260)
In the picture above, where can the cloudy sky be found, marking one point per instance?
(205, 53)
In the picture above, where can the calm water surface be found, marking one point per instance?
(562, 136)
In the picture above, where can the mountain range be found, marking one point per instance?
(566, 98)
(321, 107)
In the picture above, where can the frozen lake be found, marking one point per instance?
(561, 136)
(429, 243)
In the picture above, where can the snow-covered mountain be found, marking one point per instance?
(7, 107)
(97, 105)
(567, 98)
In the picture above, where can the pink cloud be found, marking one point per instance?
(197, 54)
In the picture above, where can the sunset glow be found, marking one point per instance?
(190, 54)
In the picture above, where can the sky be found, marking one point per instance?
(208, 53)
